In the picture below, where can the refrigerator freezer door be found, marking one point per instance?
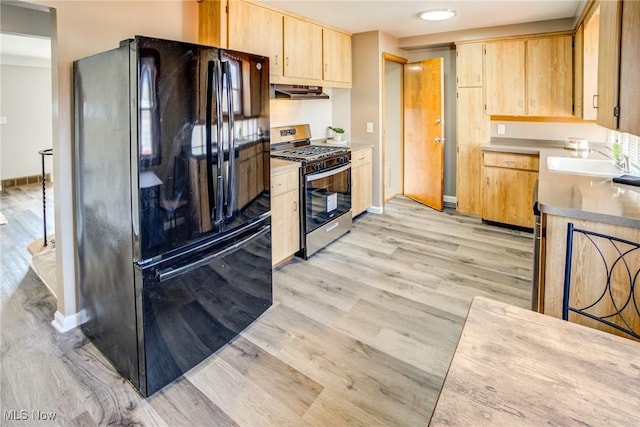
(196, 304)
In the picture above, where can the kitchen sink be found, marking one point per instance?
(594, 167)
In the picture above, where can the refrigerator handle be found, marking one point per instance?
(208, 137)
(164, 274)
(226, 70)
(220, 147)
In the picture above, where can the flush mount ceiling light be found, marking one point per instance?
(437, 14)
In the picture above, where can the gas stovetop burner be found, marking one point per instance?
(309, 153)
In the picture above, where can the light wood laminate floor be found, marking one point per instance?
(360, 334)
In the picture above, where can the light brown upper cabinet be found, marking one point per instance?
(608, 63)
(586, 67)
(630, 69)
(264, 36)
(618, 64)
(302, 48)
(299, 50)
(549, 76)
(469, 65)
(505, 78)
(336, 54)
(529, 77)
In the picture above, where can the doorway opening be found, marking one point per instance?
(392, 126)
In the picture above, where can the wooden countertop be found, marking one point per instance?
(515, 367)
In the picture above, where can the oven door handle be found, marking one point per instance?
(324, 174)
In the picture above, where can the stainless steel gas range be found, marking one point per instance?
(325, 186)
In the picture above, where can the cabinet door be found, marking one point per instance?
(473, 131)
(469, 65)
(608, 62)
(630, 69)
(505, 78)
(212, 23)
(285, 226)
(590, 67)
(336, 52)
(508, 196)
(360, 181)
(549, 76)
(257, 30)
(302, 47)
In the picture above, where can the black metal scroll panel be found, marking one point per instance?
(626, 251)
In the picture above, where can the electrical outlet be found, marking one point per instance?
(369, 127)
(502, 129)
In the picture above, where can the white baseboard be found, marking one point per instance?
(65, 323)
(376, 210)
(450, 201)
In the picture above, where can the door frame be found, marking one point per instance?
(402, 61)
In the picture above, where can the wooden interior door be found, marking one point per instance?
(424, 132)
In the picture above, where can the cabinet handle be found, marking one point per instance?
(325, 68)
(594, 104)
(277, 185)
(295, 206)
(286, 63)
(277, 59)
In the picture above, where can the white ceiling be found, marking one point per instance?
(400, 18)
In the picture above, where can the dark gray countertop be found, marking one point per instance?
(585, 197)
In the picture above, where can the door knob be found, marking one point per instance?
(437, 140)
(438, 121)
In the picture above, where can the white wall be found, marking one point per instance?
(25, 101)
(316, 112)
(393, 129)
(550, 131)
(366, 98)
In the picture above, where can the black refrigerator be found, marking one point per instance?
(172, 203)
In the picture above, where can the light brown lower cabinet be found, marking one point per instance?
(361, 177)
(508, 181)
(285, 215)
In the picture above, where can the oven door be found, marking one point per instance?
(327, 196)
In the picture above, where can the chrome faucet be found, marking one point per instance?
(622, 162)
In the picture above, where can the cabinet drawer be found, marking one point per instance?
(360, 157)
(511, 160)
(283, 182)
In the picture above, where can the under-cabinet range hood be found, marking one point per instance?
(299, 92)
